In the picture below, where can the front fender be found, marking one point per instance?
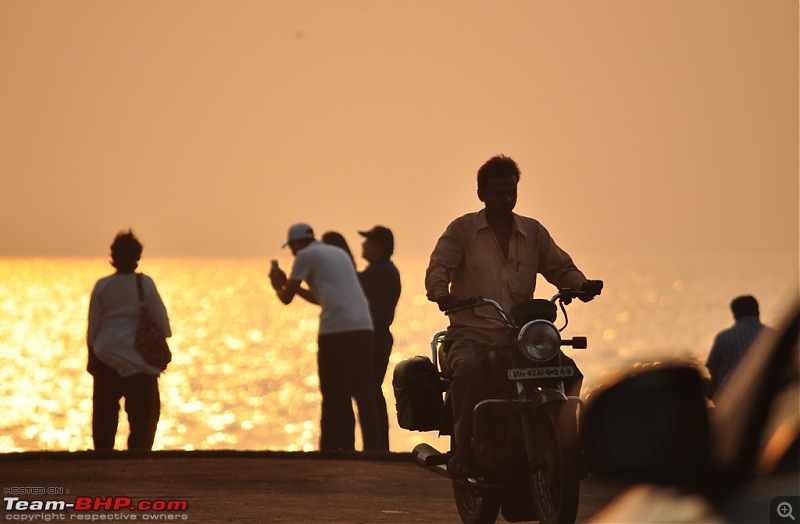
(541, 398)
(545, 396)
(529, 408)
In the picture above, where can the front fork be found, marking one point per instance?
(529, 406)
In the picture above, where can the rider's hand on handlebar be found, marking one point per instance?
(592, 288)
(447, 301)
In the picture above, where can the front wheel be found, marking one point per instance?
(554, 469)
(475, 506)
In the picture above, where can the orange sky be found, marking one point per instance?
(209, 127)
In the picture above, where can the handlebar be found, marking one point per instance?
(567, 295)
(474, 302)
(563, 297)
(469, 303)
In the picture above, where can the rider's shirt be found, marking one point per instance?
(468, 261)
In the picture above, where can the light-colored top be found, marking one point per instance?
(468, 262)
(114, 317)
(332, 278)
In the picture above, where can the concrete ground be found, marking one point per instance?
(231, 486)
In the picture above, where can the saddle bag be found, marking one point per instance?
(418, 395)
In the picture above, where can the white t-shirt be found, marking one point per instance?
(114, 318)
(332, 278)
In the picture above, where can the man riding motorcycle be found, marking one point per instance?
(493, 253)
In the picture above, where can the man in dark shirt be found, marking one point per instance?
(730, 345)
(381, 284)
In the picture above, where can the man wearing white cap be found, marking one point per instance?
(345, 339)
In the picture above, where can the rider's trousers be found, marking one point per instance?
(469, 384)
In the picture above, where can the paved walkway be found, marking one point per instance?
(239, 487)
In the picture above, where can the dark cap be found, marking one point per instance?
(381, 235)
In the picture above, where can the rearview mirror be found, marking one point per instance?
(650, 427)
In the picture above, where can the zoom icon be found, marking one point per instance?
(784, 509)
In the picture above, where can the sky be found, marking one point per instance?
(209, 127)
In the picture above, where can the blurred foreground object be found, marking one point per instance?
(738, 462)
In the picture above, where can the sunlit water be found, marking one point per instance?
(244, 376)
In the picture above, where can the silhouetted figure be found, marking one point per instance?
(730, 345)
(493, 253)
(334, 238)
(344, 356)
(118, 369)
(381, 283)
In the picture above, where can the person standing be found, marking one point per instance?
(730, 345)
(344, 356)
(381, 284)
(493, 253)
(117, 368)
(334, 238)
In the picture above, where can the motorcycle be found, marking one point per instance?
(525, 435)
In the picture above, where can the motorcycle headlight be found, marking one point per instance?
(539, 340)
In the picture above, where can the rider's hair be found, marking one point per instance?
(126, 250)
(498, 166)
(744, 306)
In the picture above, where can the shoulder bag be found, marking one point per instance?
(150, 341)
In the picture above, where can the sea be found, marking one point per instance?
(244, 376)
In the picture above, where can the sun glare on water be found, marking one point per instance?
(244, 375)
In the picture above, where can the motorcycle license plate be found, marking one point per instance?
(550, 372)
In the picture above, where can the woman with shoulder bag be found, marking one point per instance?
(119, 370)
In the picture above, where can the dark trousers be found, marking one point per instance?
(468, 386)
(383, 349)
(344, 363)
(142, 404)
